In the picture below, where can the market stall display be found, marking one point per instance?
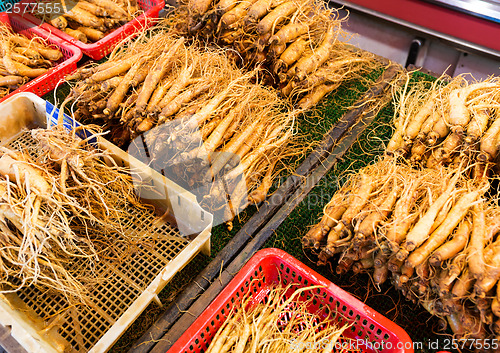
(335, 142)
(230, 124)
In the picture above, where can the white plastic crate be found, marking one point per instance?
(41, 322)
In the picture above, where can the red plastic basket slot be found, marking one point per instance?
(48, 81)
(104, 46)
(269, 267)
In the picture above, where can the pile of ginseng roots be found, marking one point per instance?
(427, 216)
(296, 44)
(90, 20)
(23, 59)
(449, 124)
(281, 322)
(431, 232)
(204, 123)
(63, 207)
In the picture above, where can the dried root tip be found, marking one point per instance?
(394, 265)
(284, 79)
(344, 265)
(400, 152)
(380, 260)
(451, 144)
(403, 253)
(311, 239)
(380, 275)
(366, 252)
(324, 256)
(482, 287)
(485, 313)
(351, 254)
(315, 237)
(358, 267)
(440, 308)
(396, 283)
(406, 271)
(307, 243)
(472, 324)
(435, 260)
(358, 242)
(444, 289)
(384, 248)
(433, 161)
(432, 138)
(469, 140)
(403, 279)
(417, 151)
(279, 67)
(458, 130)
(484, 157)
(481, 172)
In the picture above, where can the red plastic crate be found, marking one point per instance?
(269, 267)
(104, 46)
(48, 81)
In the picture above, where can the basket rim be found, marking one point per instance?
(270, 254)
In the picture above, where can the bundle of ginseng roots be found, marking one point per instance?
(431, 232)
(91, 20)
(23, 59)
(297, 44)
(281, 323)
(448, 123)
(204, 122)
(63, 205)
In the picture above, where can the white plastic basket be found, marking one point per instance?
(34, 318)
